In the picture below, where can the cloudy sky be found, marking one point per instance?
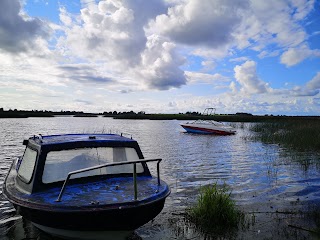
(161, 56)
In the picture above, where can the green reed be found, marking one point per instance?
(301, 135)
(215, 212)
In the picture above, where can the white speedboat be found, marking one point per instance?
(206, 126)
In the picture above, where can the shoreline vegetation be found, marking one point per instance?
(237, 117)
(300, 135)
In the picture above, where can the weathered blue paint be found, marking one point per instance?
(70, 138)
(110, 191)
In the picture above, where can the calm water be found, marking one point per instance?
(267, 182)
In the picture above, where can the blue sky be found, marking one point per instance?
(169, 56)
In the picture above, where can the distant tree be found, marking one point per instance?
(194, 113)
(244, 114)
(1, 109)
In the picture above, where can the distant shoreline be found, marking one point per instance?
(144, 116)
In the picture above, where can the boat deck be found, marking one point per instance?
(112, 191)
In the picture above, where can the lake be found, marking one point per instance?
(272, 185)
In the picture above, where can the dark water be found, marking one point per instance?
(272, 185)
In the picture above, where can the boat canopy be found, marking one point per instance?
(49, 159)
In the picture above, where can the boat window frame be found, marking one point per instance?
(34, 165)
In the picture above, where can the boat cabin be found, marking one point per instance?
(48, 160)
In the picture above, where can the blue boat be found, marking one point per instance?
(85, 183)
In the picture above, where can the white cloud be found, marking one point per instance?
(271, 22)
(265, 54)
(239, 59)
(208, 65)
(302, 8)
(112, 32)
(17, 32)
(301, 92)
(214, 79)
(214, 28)
(102, 35)
(83, 73)
(160, 65)
(294, 56)
(310, 89)
(247, 77)
(233, 87)
(65, 17)
(209, 23)
(314, 83)
(209, 53)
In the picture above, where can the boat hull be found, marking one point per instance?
(104, 205)
(85, 235)
(207, 130)
(125, 218)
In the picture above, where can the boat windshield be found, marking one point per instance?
(26, 164)
(59, 163)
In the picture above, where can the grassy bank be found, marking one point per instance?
(301, 135)
(24, 114)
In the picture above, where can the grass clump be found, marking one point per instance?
(215, 212)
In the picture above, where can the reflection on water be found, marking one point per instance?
(270, 184)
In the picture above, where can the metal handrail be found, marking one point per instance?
(110, 165)
(208, 111)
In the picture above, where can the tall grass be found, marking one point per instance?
(215, 212)
(301, 135)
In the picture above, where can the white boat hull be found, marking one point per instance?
(209, 128)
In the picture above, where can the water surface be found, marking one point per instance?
(269, 183)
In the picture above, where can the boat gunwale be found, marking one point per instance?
(111, 165)
(79, 208)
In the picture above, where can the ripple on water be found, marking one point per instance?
(261, 176)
